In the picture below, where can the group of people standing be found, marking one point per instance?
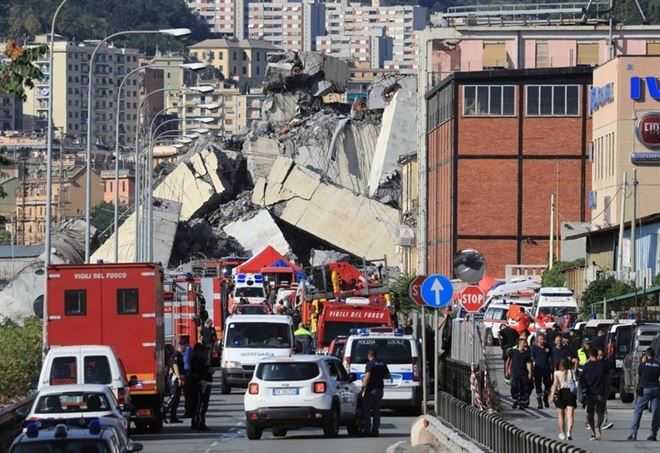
(190, 373)
(565, 374)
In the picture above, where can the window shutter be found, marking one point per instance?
(587, 54)
(494, 55)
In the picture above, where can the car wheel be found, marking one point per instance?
(331, 425)
(253, 431)
(279, 432)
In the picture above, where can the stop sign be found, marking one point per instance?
(471, 298)
(414, 291)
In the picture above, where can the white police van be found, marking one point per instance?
(401, 355)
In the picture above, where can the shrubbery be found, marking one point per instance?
(20, 349)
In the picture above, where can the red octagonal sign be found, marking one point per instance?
(471, 298)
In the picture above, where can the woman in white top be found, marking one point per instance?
(564, 395)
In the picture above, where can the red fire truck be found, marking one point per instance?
(118, 305)
(338, 318)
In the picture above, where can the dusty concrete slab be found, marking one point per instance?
(357, 224)
(260, 153)
(166, 218)
(255, 232)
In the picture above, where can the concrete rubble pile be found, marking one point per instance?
(20, 299)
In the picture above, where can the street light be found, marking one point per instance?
(49, 177)
(176, 32)
(192, 66)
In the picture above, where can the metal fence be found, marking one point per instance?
(11, 422)
(456, 380)
(493, 432)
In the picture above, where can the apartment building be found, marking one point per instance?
(499, 143)
(235, 114)
(68, 201)
(173, 74)
(287, 24)
(70, 81)
(244, 61)
(11, 113)
(383, 36)
(125, 185)
(222, 16)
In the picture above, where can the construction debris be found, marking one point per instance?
(357, 224)
(197, 239)
(256, 231)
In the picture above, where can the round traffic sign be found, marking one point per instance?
(436, 291)
(471, 298)
(414, 289)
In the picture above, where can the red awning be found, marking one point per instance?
(264, 258)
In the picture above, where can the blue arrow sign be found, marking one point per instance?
(437, 291)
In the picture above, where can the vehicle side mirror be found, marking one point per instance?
(298, 348)
(134, 447)
(352, 377)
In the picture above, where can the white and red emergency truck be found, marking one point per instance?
(118, 305)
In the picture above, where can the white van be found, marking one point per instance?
(249, 339)
(87, 364)
(555, 302)
(495, 318)
(401, 355)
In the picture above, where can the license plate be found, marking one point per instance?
(282, 392)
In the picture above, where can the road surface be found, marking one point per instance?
(227, 434)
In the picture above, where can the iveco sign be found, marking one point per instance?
(637, 90)
(601, 96)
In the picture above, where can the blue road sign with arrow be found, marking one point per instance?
(437, 291)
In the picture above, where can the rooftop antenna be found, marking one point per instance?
(612, 21)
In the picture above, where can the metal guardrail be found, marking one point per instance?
(494, 433)
(11, 421)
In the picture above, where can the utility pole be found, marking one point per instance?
(633, 228)
(622, 221)
(551, 258)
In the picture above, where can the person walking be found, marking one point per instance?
(508, 339)
(610, 367)
(564, 396)
(203, 376)
(559, 351)
(197, 373)
(593, 382)
(186, 353)
(520, 370)
(376, 372)
(542, 361)
(649, 381)
(176, 380)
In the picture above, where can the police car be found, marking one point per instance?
(98, 435)
(401, 355)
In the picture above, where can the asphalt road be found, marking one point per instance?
(227, 422)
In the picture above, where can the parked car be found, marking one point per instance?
(301, 391)
(99, 435)
(76, 402)
(88, 364)
(642, 337)
(619, 343)
(495, 318)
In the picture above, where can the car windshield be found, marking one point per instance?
(72, 402)
(333, 330)
(296, 371)
(259, 335)
(251, 310)
(495, 314)
(558, 311)
(389, 350)
(63, 446)
(249, 291)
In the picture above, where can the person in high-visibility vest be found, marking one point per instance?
(305, 338)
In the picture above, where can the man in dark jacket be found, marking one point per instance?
(373, 384)
(519, 365)
(593, 382)
(649, 393)
(508, 339)
(542, 360)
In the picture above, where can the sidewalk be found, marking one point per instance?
(545, 421)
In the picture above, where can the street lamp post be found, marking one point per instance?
(49, 176)
(177, 32)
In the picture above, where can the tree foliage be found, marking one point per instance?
(20, 71)
(96, 19)
(556, 277)
(102, 215)
(604, 288)
(399, 290)
(20, 349)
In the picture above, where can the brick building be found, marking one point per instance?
(499, 143)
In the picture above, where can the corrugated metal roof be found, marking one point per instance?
(21, 251)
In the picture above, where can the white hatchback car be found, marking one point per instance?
(300, 391)
(74, 402)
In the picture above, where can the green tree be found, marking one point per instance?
(604, 288)
(20, 72)
(102, 216)
(399, 290)
(556, 277)
(20, 348)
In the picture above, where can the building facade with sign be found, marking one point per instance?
(499, 144)
(626, 128)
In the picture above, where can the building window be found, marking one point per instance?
(244, 70)
(489, 100)
(235, 55)
(542, 54)
(553, 100)
(75, 302)
(653, 48)
(587, 54)
(494, 55)
(127, 301)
